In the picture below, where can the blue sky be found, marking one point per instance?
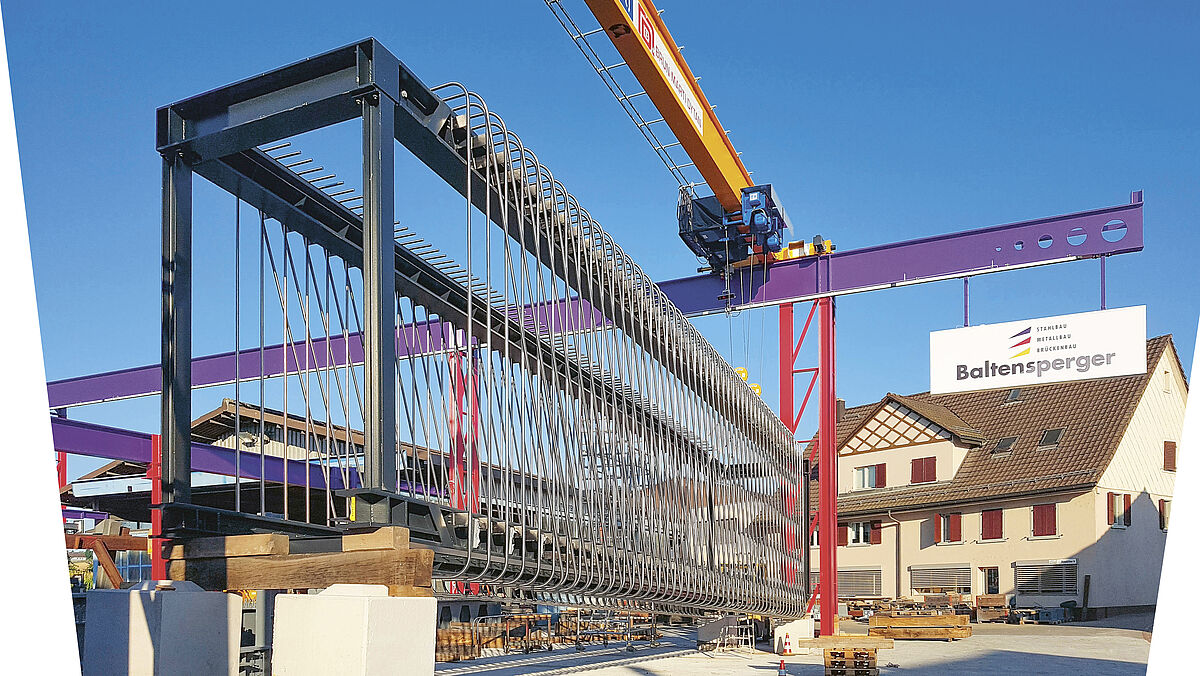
(876, 122)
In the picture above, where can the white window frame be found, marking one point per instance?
(858, 533)
(1119, 510)
(862, 474)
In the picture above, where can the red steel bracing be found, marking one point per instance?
(464, 430)
(158, 564)
(464, 433)
(825, 518)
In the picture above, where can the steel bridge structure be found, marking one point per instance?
(537, 412)
(532, 406)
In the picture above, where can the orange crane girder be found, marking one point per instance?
(643, 40)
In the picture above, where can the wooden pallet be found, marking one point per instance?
(936, 627)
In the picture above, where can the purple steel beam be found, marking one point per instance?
(961, 254)
(276, 360)
(81, 438)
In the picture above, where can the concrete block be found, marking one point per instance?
(161, 629)
(353, 630)
(796, 629)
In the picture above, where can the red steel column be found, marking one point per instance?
(158, 565)
(61, 456)
(827, 468)
(787, 413)
(787, 400)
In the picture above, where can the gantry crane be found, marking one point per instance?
(742, 228)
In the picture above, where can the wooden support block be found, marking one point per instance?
(403, 568)
(389, 537)
(845, 641)
(229, 546)
(920, 621)
(409, 590)
(935, 633)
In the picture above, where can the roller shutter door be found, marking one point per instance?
(1048, 578)
(956, 579)
(854, 582)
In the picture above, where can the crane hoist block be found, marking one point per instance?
(726, 238)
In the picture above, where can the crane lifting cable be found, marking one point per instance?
(741, 223)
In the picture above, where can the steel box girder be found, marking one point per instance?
(222, 126)
(960, 254)
(250, 113)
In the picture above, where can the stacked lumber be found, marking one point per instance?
(943, 627)
(991, 607)
(266, 561)
(456, 643)
(851, 662)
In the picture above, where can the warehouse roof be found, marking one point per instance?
(1092, 415)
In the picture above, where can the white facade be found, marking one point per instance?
(1117, 564)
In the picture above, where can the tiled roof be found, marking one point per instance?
(1092, 413)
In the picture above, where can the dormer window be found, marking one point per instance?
(1013, 395)
(1005, 445)
(1050, 438)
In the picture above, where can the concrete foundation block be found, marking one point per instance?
(161, 629)
(797, 630)
(353, 630)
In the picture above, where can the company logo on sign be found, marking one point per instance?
(1054, 349)
(1022, 338)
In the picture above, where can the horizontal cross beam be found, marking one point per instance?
(1000, 248)
(413, 340)
(100, 441)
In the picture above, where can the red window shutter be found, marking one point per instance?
(916, 471)
(1162, 508)
(1128, 511)
(931, 469)
(1044, 520)
(843, 536)
(1169, 455)
(880, 475)
(937, 527)
(1112, 508)
(993, 524)
(876, 532)
(955, 527)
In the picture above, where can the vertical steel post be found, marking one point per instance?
(61, 459)
(379, 291)
(787, 413)
(827, 467)
(176, 330)
(966, 301)
(158, 565)
(1103, 283)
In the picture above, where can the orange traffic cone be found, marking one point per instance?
(782, 668)
(787, 644)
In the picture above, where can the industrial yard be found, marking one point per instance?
(410, 408)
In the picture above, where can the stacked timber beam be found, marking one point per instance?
(273, 561)
(944, 627)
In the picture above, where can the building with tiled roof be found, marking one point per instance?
(1048, 494)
